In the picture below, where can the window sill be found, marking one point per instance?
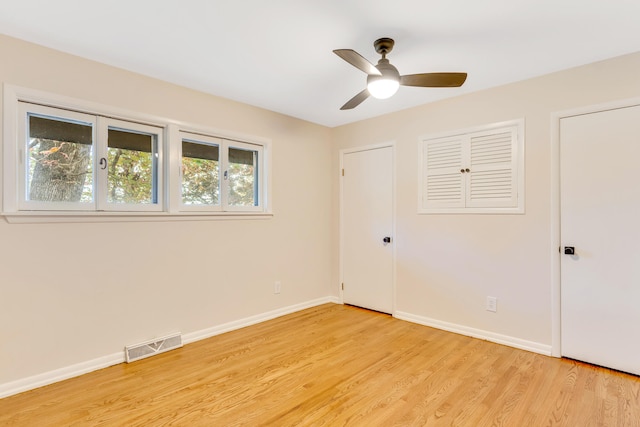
(36, 217)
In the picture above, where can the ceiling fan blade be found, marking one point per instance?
(356, 100)
(358, 61)
(434, 79)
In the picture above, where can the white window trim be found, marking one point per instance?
(171, 210)
(519, 162)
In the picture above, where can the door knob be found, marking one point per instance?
(386, 240)
(569, 250)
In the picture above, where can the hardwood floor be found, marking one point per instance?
(336, 365)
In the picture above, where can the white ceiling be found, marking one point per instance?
(277, 54)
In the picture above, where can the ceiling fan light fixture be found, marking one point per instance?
(382, 87)
(386, 84)
(383, 80)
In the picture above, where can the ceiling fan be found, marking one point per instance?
(383, 80)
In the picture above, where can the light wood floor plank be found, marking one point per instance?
(336, 365)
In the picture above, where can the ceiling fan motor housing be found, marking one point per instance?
(383, 45)
(388, 71)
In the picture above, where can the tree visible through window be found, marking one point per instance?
(200, 173)
(219, 174)
(69, 160)
(130, 160)
(242, 177)
(60, 161)
(76, 161)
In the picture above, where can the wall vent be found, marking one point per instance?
(153, 347)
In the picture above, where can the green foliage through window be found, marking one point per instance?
(77, 161)
(60, 160)
(200, 173)
(130, 176)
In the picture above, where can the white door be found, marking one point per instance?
(367, 219)
(600, 218)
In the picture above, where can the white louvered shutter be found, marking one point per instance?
(478, 171)
(442, 182)
(492, 180)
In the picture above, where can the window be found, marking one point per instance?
(75, 161)
(241, 176)
(68, 158)
(200, 170)
(219, 174)
(58, 155)
(477, 171)
(130, 165)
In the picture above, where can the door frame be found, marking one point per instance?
(556, 237)
(392, 145)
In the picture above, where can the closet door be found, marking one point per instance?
(367, 225)
(600, 238)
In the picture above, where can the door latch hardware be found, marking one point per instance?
(569, 250)
(387, 240)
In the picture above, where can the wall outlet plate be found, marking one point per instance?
(492, 304)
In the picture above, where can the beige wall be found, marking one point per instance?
(448, 264)
(70, 293)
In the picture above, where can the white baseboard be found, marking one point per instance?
(248, 321)
(40, 380)
(476, 333)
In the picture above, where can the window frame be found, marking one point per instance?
(169, 205)
(24, 111)
(225, 182)
(224, 140)
(104, 125)
(100, 128)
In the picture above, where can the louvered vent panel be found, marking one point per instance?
(493, 184)
(444, 187)
(478, 171)
(443, 154)
(150, 348)
(490, 149)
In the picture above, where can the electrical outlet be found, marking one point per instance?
(492, 304)
(276, 287)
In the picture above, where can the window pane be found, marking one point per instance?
(200, 174)
(243, 177)
(132, 162)
(60, 160)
